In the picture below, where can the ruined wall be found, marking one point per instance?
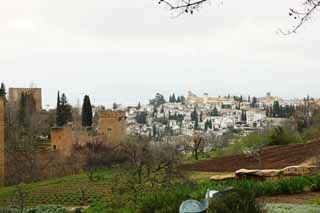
(62, 139)
(2, 148)
(15, 95)
(112, 125)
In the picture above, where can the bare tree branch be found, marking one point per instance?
(187, 6)
(302, 16)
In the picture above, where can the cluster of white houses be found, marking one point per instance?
(214, 115)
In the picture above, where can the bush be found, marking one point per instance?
(99, 206)
(311, 133)
(284, 136)
(48, 209)
(168, 198)
(240, 201)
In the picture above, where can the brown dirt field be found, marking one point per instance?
(276, 157)
(303, 198)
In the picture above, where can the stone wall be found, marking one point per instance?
(15, 95)
(2, 148)
(62, 139)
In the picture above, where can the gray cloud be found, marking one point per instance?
(125, 51)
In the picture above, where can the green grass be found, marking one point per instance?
(189, 158)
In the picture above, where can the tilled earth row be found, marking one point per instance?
(276, 157)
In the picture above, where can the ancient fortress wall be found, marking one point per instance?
(113, 125)
(15, 95)
(62, 139)
(112, 129)
(2, 148)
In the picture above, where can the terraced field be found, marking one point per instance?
(67, 191)
(276, 157)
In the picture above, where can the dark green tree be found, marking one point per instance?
(3, 92)
(173, 98)
(141, 117)
(158, 100)
(64, 111)
(196, 124)
(254, 102)
(276, 109)
(206, 125)
(162, 110)
(214, 112)
(86, 112)
(194, 114)
(59, 119)
(243, 116)
(210, 124)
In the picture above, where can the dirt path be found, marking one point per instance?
(303, 198)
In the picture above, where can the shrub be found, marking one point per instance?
(47, 209)
(284, 136)
(240, 201)
(311, 133)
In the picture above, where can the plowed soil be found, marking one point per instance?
(276, 157)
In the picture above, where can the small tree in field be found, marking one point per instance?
(197, 142)
(253, 145)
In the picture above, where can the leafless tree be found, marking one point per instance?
(198, 140)
(95, 155)
(309, 7)
(303, 15)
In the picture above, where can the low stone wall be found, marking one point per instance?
(275, 174)
(269, 174)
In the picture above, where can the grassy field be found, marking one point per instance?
(74, 191)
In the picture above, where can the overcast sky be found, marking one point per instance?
(127, 50)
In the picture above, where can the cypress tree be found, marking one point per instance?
(59, 120)
(86, 112)
(196, 124)
(174, 98)
(3, 91)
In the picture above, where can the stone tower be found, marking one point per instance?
(113, 125)
(62, 139)
(15, 95)
(2, 148)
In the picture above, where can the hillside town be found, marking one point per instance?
(209, 115)
(159, 106)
